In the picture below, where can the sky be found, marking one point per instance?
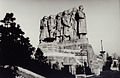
(102, 17)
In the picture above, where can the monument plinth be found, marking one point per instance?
(63, 39)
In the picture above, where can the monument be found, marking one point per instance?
(63, 40)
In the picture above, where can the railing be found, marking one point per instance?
(27, 74)
(83, 76)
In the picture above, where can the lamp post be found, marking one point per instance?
(102, 52)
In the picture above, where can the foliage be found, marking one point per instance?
(108, 63)
(39, 56)
(115, 56)
(15, 49)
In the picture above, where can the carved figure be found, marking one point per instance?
(81, 22)
(73, 29)
(66, 25)
(52, 26)
(43, 29)
(59, 28)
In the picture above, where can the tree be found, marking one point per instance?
(108, 63)
(39, 56)
(15, 49)
(107, 55)
(115, 56)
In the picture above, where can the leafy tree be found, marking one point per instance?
(115, 56)
(15, 49)
(39, 56)
(107, 55)
(108, 63)
(119, 62)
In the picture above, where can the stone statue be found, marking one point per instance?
(52, 26)
(81, 22)
(59, 28)
(43, 29)
(73, 29)
(66, 25)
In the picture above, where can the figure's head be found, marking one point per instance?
(69, 11)
(65, 12)
(58, 16)
(81, 7)
(45, 18)
(51, 16)
(74, 9)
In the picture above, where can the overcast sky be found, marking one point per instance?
(103, 18)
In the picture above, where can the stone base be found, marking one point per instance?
(69, 52)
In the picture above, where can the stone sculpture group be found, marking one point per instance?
(66, 25)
